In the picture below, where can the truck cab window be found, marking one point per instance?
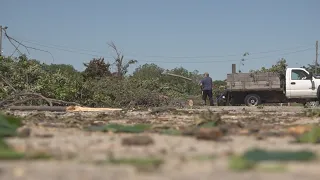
(298, 75)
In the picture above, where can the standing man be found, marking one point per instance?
(206, 84)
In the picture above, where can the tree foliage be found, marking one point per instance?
(279, 67)
(97, 85)
(96, 68)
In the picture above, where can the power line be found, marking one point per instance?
(67, 50)
(10, 39)
(60, 46)
(232, 55)
(247, 59)
(76, 50)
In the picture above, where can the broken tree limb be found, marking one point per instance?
(178, 76)
(7, 82)
(11, 100)
(38, 108)
(26, 94)
(63, 102)
(20, 102)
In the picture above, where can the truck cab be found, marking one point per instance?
(301, 84)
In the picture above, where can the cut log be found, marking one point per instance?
(61, 108)
(79, 108)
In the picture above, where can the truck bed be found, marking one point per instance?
(254, 81)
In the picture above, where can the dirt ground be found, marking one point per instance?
(80, 154)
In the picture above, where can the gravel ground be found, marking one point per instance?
(79, 154)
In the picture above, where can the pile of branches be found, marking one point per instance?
(28, 82)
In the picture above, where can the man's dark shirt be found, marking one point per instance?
(206, 83)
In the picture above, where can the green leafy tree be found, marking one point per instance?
(312, 68)
(280, 67)
(96, 68)
(95, 86)
(148, 71)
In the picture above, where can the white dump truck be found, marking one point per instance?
(297, 85)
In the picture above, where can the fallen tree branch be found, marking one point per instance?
(7, 82)
(178, 76)
(63, 102)
(50, 101)
(27, 94)
(20, 102)
(38, 108)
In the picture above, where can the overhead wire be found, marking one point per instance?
(64, 49)
(230, 60)
(10, 39)
(76, 50)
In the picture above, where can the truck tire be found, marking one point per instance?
(318, 93)
(252, 100)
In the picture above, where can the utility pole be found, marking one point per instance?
(316, 67)
(0, 40)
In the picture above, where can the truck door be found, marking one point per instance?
(298, 84)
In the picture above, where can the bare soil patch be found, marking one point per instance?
(163, 143)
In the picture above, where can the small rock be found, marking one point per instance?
(163, 151)
(24, 132)
(209, 133)
(244, 132)
(138, 140)
(260, 137)
(254, 130)
(192, 148)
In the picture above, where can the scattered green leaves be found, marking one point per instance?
(39, 155)
(173, 132)
(271, 167)
(8, 125)
(238, 163)
(204, 157)
(258, 155)
(142, 164)
(208, 119)
(7, 153)
(118, 128)
(312, 113)
(312, 136)
(250, 159)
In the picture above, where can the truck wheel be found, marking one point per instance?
(252, 100)
(318, 93)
